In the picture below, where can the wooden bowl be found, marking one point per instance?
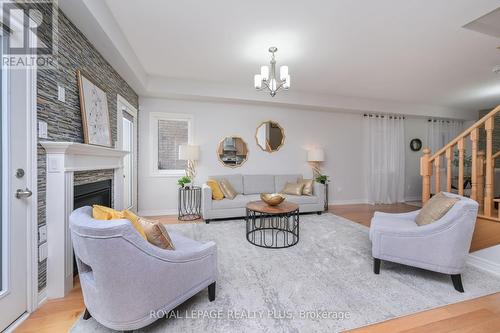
(272, 199)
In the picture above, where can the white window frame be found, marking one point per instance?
(154, 118)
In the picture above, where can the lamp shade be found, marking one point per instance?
(264, 73)
(283, 73)
(189, 152)
(316, 155)
(257, 81)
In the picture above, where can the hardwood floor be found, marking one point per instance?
(477, 315)
(56, 315)
(486, 233)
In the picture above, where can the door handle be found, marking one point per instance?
(23, 193)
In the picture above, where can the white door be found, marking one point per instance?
(127, 140)
(15, 127)
(128, 163)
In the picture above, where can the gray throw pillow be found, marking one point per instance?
(435, 208)
(227, 189)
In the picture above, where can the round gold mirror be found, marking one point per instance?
(232, 151)
(270, 136)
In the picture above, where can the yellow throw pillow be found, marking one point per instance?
(134, 219)
(227, 189)
(157, 234)
(216, 191)
(434, 209)
(106, 213)
(308, 186)
(293, 188)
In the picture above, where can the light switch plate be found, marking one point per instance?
(61, 94)
(42, 130)
(43, 252)
(42, 234)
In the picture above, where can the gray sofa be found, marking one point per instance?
(124, 278)
(249, 188)
(442, 246)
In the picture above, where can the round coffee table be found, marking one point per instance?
(274, 227)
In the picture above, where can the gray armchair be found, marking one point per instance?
(125, 279)
(441, 246)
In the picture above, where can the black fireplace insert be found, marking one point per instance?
(98, 193)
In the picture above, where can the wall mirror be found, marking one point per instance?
(232, 151)
(270, 136)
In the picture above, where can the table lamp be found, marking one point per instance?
(315, 157)
(190, 153)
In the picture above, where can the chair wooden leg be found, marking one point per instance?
(376, 266)
(86, 315)
(211, 292)
(457, 282)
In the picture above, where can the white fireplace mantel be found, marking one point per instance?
(63, 159)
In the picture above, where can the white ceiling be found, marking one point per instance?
(408, 53)
(412, 50)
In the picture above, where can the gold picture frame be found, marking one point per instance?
(219, 152)
(267, 147)
(96, 122)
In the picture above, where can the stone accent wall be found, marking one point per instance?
(85, 177)
(75, 52)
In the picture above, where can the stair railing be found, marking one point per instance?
(482, 165)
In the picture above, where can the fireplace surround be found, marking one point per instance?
(63, 160)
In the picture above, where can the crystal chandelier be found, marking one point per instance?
(267, 80)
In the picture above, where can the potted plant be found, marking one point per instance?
(183, 181)
(322, 179)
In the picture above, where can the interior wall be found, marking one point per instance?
(339, 134)
(415, 128)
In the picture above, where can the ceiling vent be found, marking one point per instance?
(488, 24)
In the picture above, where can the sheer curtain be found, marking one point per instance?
(384, 148)
(440, 132)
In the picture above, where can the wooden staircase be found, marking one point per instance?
(482, 169)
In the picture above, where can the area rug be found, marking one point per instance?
(323, 284)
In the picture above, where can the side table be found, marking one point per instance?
(189, 203)
(326, 197)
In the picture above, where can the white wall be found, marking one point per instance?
(415, 128)
(340, 134)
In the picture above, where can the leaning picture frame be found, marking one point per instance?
(95, 113)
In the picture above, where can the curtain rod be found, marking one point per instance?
(444, 120)
(383, 116)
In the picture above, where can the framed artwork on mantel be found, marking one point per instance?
(95, 114)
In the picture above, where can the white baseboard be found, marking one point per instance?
(14, 325)
(416, 198)
(486, 259)
(347, 202)
(157, 212)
